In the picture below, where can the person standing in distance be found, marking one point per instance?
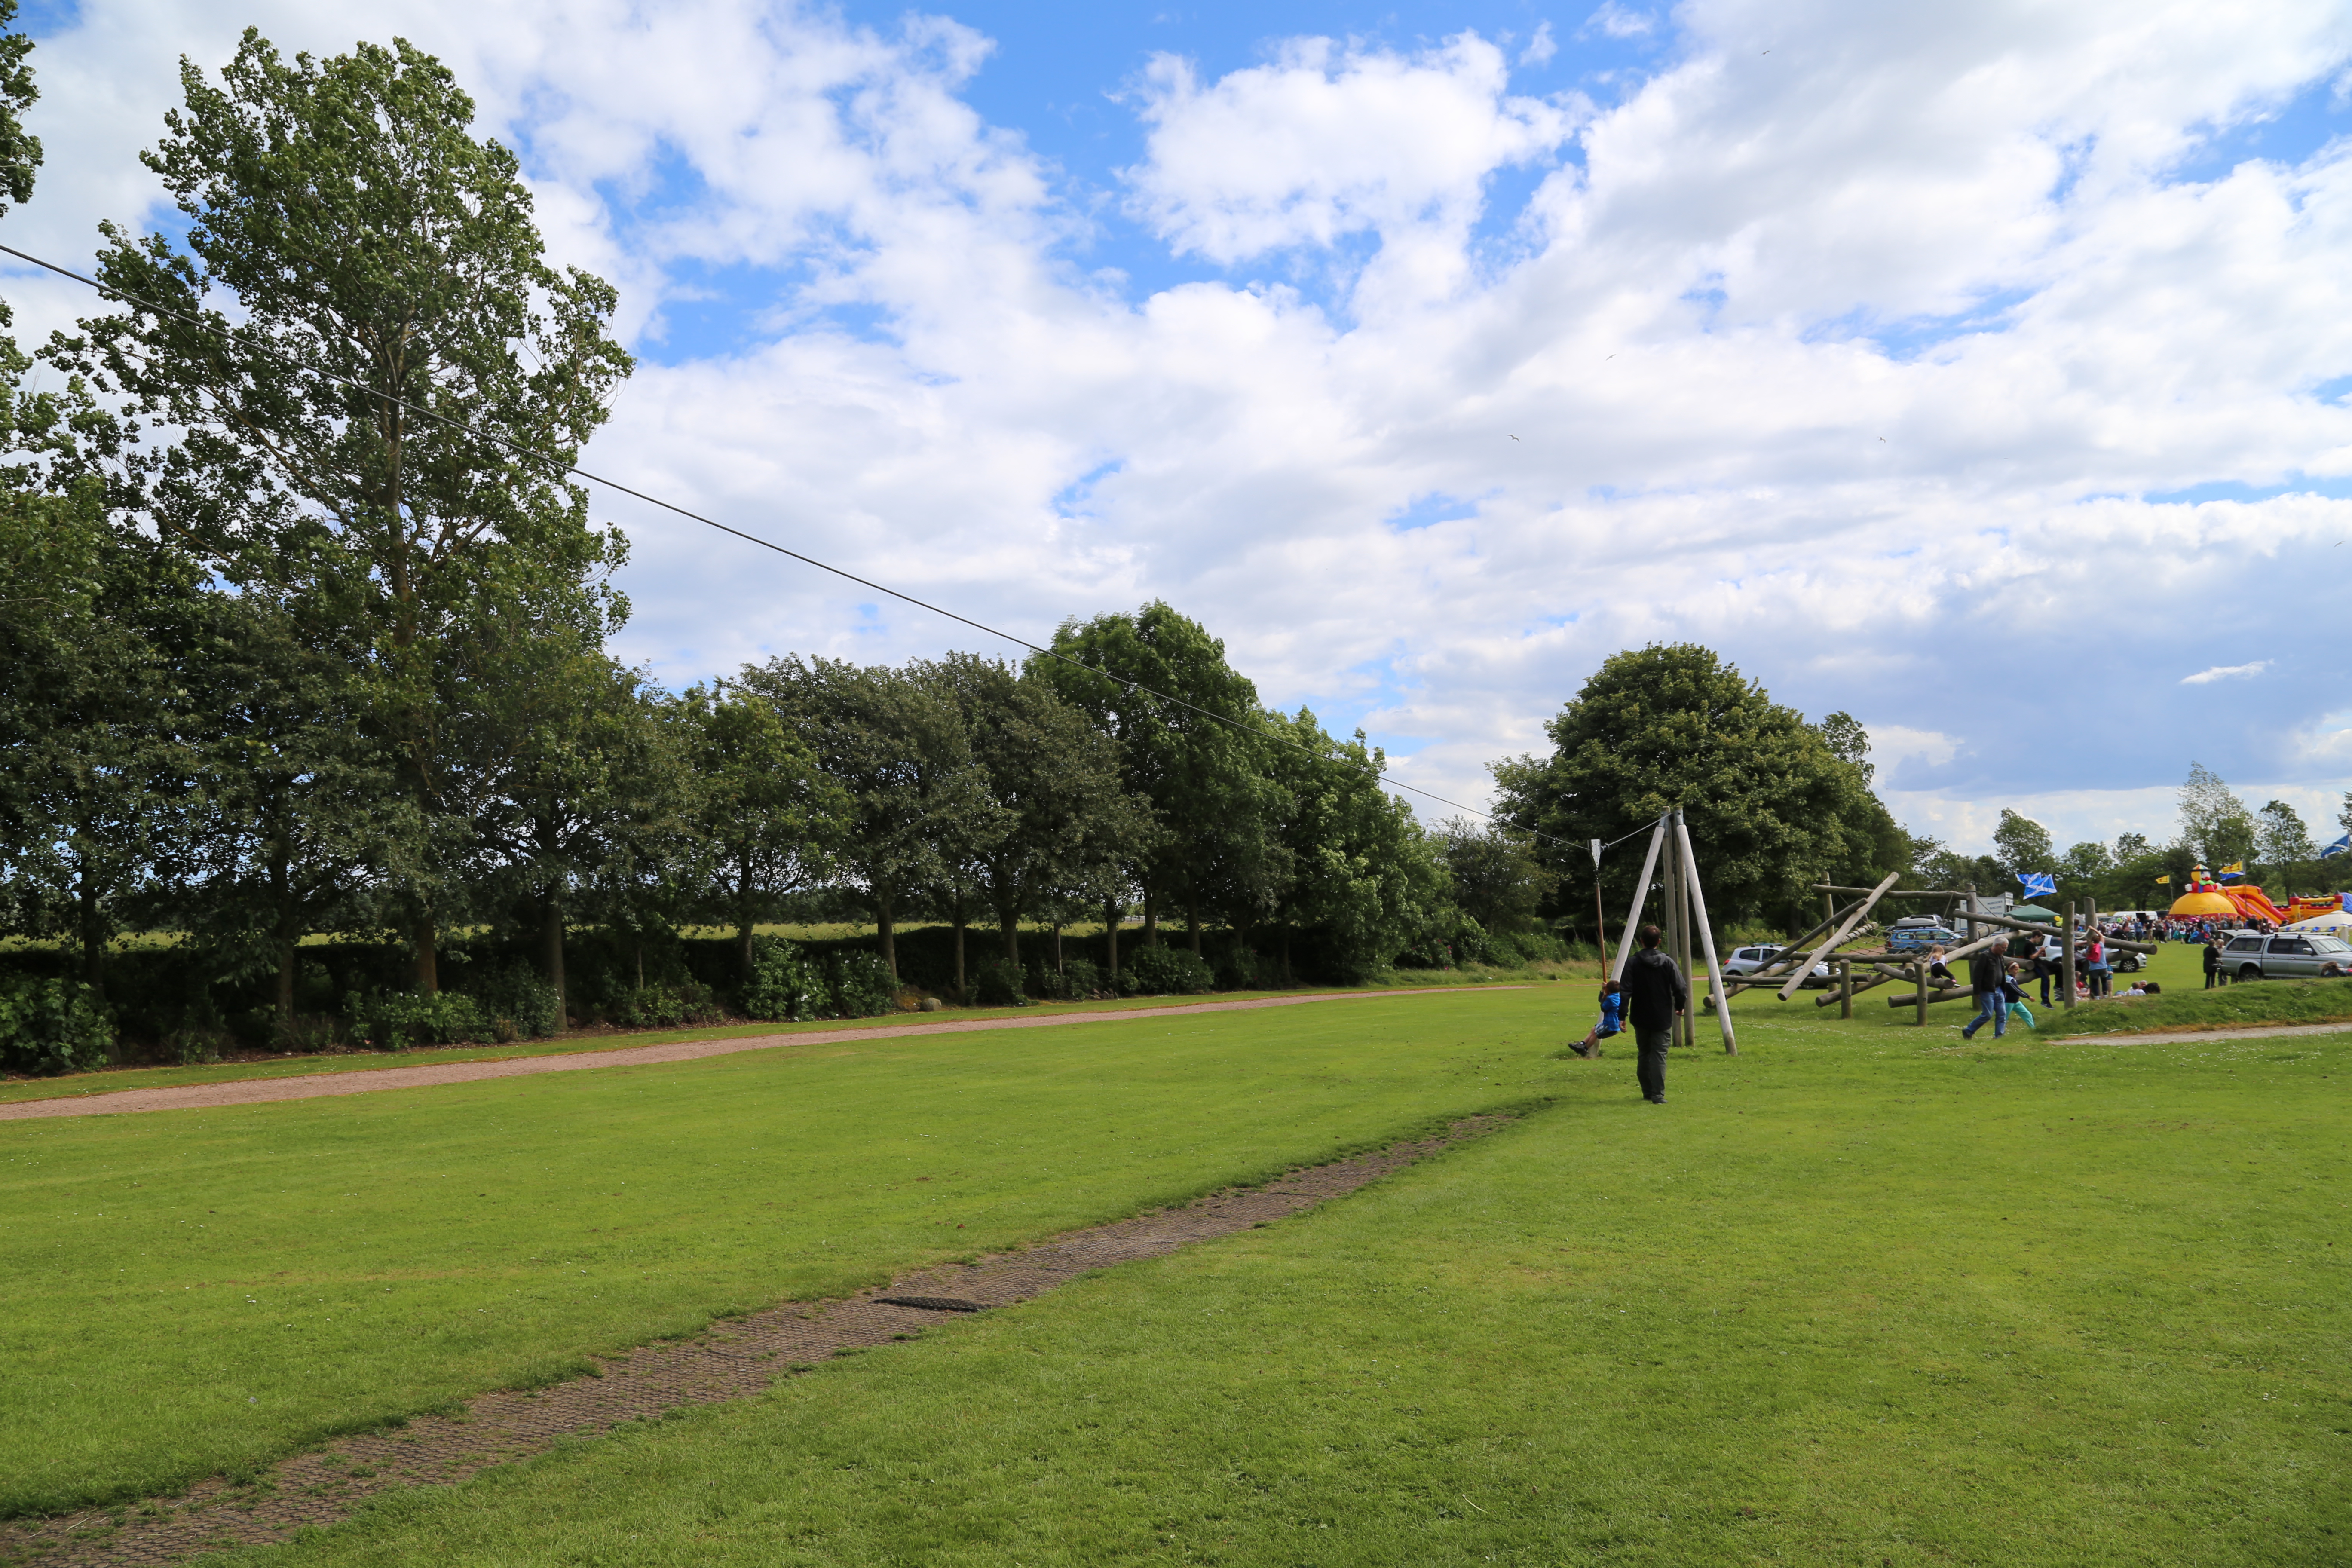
(1657, 992)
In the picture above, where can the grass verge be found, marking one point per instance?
(189, 1292)
(113, 1080)
(1875, 1304)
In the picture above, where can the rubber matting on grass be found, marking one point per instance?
(734, 1360)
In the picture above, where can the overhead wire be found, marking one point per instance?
(574, 470)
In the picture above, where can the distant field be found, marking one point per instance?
(1847, 1299)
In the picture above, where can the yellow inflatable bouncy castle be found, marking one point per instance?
(2209, 900)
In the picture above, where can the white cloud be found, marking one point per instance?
(1540, 48)
(1327, 142)
(1620, 22)
(1852, 361)
(2226, 672)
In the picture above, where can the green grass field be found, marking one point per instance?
(1862, 1294)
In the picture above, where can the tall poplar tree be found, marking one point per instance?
(396, 378)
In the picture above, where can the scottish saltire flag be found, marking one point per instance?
(2341, 846)
(2235, 868)
(2039, 884)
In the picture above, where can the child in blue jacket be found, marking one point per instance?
(1613, 1019)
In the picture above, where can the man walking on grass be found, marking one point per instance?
(1987, 970)
(1656, 992)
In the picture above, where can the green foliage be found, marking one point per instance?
(861, 984)
(2022, 844)
(2214, 823)
(518, 1004)
(395, 1020)
(664, 1006)
(1772, 807)
(765, 810)
(2283, 839)
(51, 1026)
(1494, 872)
(997, 982)
(20, 153)
(785, 985)
(1161, 970)
(1077, 980)
(1362, 871)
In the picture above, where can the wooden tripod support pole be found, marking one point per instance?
(1707, 940)
(1641, 895)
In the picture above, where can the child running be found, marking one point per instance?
(1613, 1020)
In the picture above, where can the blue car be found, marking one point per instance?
(1919, 939)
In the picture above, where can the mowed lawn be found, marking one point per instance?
(187, 1292)
(1848, 1298)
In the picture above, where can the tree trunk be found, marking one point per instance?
(282, 900)
(1193, 920)
(551, 932)
(1150, 918)
(285, 983)
(963, 992)
(742, 937)
(883, 928)
(428, 968)
(1111, 938)
(93, 945)
(1011, 922)
(1057, 946)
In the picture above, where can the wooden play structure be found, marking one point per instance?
(1684, 910)
(1855, 973)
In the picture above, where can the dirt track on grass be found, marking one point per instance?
(734, 1360)
(265, 1091)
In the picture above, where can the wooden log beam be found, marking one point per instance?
(1846, 929)
(2043, 927)
(1933, 997)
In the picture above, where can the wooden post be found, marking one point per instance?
(1706, 942)
(1968, 892)
(1641, 895)
(1845, 988)
(2067, 955)
(1919, 972)
(1687, 1028)
(1837, 938)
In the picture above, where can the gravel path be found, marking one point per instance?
(734, 1360)
(263, 1091)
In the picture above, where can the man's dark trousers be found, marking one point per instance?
(1651, 1065)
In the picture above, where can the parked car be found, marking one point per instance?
(1905, 937)
(1748, 960)
(2289, 955)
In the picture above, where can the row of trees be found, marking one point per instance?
(2216, 828)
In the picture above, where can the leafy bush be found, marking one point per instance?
(786, 985)
(1171, 971)
(862, 985)
(1076, 980)
(998, 985)
(395, 1020)
(304, 1032)
(1242, 970)
(518, 1004)
(52, 1026)
(664, 1006)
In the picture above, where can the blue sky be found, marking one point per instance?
(1978, 371)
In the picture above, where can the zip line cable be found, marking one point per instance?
(573, 469)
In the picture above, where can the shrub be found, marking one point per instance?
(1076, 980)
(1242, 970)
(862, 985)
(664, 1006)
(1172, 970)
(998, 985)
(518, 1004)
(786, 985)
(304, 1032)
(52, 1026)
(395, 1020)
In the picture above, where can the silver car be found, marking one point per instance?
(1748, 960)
(2289, 955)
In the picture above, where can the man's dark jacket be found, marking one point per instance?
(1657, 989)
(1986, 972)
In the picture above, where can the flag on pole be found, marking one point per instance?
(2235, 868)
(2341, 846)
(2165, 881)
(2039, 884)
